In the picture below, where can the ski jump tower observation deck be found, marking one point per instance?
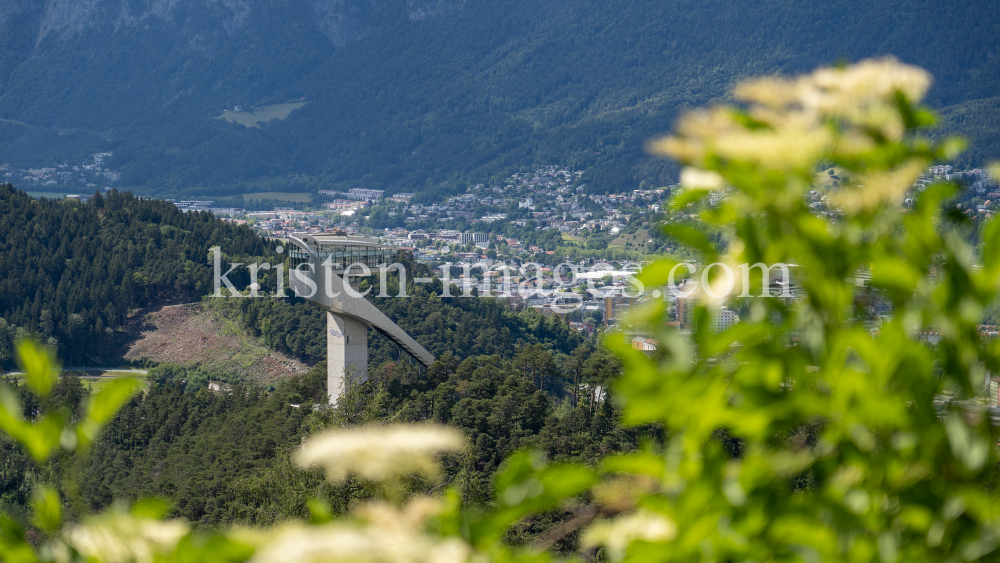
(331, 281)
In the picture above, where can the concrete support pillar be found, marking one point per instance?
(347, 353)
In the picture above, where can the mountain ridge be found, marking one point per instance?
(427, 96)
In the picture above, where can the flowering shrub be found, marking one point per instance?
(801, 433)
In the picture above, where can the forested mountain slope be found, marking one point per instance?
(979, 121)
(73, 272)
(75, 275)
(224, 457)
(422, 95)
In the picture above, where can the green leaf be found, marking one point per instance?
(41, 369)
(644, 463)
(896, 274)
(564, 481)
(319, 511)
(991, 247)
(103, 406)
(658, 273)
(906, 111)
(950, 148)
(969, 447)
(43, 437)
(744, 119)
(13, 547)
(10, 409)
(527, 486)
(152, 507)
(39, 438)
(517, 468)
(694, 238)
(687, 197)
(46, 507)
(215, 548)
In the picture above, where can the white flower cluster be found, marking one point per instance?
(862, 95)
(380, 453)
(120, 537)
(385, 535)
(616, 534)
(791, 124)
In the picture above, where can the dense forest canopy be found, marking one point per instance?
(74, 272)
(223, 457)
(424, 96)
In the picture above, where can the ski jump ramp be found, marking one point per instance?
(324, 269)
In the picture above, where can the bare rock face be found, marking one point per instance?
(69, 17)
(341, 21)
(420, 9)
(11, 8)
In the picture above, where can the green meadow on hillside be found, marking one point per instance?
(267, 113)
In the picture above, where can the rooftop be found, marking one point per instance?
(325, 239)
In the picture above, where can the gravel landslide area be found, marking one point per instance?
(192, 336)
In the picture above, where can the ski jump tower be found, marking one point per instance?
(331, 282)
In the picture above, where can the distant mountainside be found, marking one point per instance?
(979, 121)
(425, 95)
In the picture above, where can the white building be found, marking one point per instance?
(724, 320)
(366, 194)
(474, 238)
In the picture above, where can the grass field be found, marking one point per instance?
(98, 383)
(297, 197)
(96, 380)
(635, 241)
(277, 111)
(825, 180)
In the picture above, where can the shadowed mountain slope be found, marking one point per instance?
(424, 95)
